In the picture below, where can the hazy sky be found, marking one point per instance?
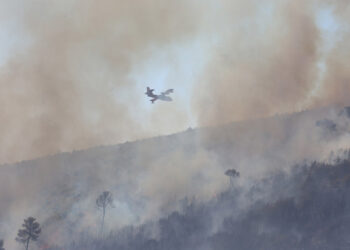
(73, 73)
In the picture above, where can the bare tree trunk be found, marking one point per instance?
(27, 244)
(103, 220)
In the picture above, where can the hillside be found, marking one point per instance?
(316, 216)
(149, 178)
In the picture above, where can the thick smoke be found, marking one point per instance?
(267, 59)
(68, 84)
(62, 91)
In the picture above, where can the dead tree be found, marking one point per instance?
(30, 232)
(232, 173)
(103, 201)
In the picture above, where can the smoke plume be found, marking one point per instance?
(68, 85)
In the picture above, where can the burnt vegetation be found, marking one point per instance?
(306, 206)
(315, 215)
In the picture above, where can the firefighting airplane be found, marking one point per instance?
(163, 95)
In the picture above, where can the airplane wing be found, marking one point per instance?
(168, 92)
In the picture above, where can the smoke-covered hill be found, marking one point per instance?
(316, 215)
(171, 192)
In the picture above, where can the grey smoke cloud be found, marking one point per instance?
(264, 65)
(267, 59)
(61, 89)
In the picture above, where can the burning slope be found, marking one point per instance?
(148, 178)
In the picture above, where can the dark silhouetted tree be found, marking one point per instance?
(31, 230)
(232, 173)
(103, 201)
(2, 245)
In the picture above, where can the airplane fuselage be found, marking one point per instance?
(163, 96)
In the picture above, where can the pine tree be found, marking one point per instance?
(30, 232)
